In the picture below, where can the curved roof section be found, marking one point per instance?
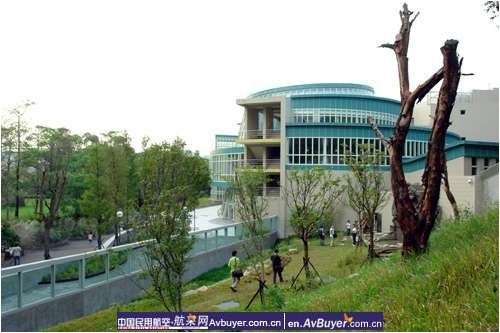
(317, 89)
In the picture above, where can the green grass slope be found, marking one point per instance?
(453, 287)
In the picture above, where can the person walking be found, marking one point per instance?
(321, 234)
(15, 251)
(348, 227)
(236, 272)
(354, 234)
(90, 237)
(333, 235)
(277, 266)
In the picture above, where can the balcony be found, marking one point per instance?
(269, 191)
(259, 136)
(269, 165)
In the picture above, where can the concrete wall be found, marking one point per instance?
(121, 290)
(480, 119)
(488, 188)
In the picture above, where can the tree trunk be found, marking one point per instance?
(416, 226)
(18, 167)
(306, 258)
(371, 246)
(99, 235)
(46, 239)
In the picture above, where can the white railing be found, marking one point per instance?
(39, 281)
(261, 134)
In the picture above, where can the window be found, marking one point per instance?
(462, 112)
(486, 163)
(474, 166)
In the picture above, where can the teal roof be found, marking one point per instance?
(481, 149)
(358, 130)
(305, 88)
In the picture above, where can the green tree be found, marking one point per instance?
(251, 208)
(172, 182)
(95, 201)
(117, 172)
(311, 194)
(365, 189)
(21, 131)
(8, 158)
(56, 149)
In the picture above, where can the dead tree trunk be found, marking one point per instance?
(416, 222)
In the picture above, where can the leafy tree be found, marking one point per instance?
(21, 131)
(117, 172)
(57, 146)
(365, 189)
(172, 182)
(311, 196)
(8, 158)
(251, 208)
(492, 8)
(95, 201)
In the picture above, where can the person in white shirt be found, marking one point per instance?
(15, 251)
(333, 235)
(348, 228)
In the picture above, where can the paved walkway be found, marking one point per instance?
(73, 247)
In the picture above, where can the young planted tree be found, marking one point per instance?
(8, 158)
(21, 131)
(311, 196)
(417, 221)
(95, 202)
(172, 181)
(365, 189)
(251, 208)
(57, 146)
(117, 172)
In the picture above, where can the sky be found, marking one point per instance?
(167, 69)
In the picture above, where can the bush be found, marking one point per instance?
(30, 233)
(9, 236)
(93, 266)
(275, 301)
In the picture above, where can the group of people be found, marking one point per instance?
(234, 264)
(14, 252)
(333, 233)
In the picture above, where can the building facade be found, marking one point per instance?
(315, 125)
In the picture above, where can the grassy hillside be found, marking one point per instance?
(451, 288)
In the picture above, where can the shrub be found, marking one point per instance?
(9, 236)
(93, 266)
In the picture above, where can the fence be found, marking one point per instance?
(36, 282)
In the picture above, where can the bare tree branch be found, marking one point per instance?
(387, 45)
(379, 134)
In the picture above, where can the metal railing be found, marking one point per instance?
(267, 164)
(261, 134)
(35, 282)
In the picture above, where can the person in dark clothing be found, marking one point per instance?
(321, 235)
(277, 266)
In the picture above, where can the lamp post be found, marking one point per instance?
(119, 215)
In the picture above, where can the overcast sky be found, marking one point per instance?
(175, 68)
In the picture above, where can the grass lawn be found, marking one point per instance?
(453, 287)
(25, 212)
(329, 262)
